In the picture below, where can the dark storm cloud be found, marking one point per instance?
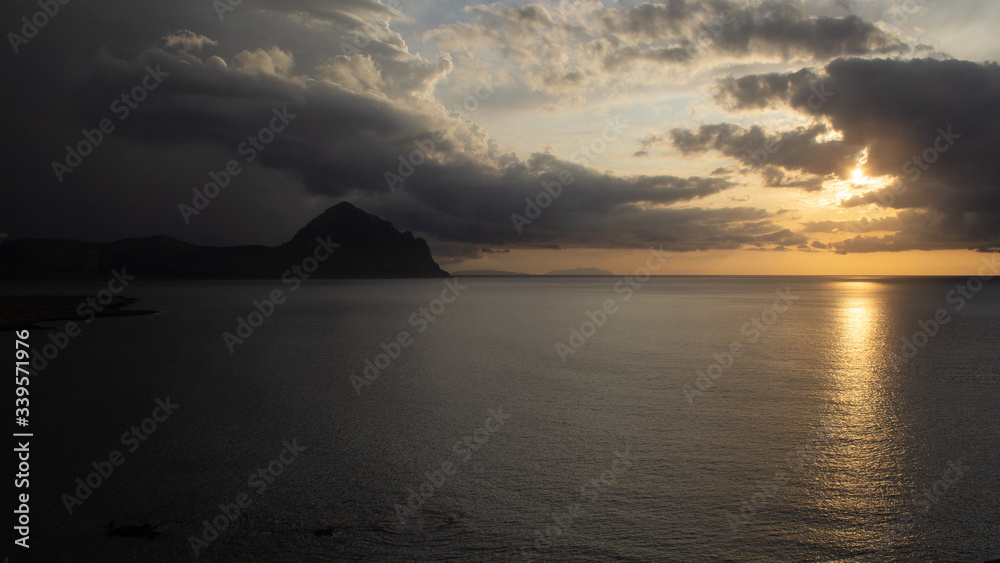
(934, 125)
(356, 118)
(758, 91)
(474, 203)
(798, 150)
(66, 78)
(784, 28)
(774, 28)
(932, 230)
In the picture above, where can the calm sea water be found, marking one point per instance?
(815, 443)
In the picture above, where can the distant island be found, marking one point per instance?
(487, 273)
(572, 272)
(580, 272)
(342, 242)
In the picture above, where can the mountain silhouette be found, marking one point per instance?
(368, 248)
(579, 272)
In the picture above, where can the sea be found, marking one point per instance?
(625, 418)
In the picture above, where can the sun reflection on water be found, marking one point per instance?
(861, 393)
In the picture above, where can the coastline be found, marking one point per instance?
(20, 312)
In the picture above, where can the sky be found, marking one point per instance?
(832, 137)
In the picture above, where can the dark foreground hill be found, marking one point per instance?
(368, 248)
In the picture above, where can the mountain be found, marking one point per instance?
(579, 272)
(368, 248)
(487, 273)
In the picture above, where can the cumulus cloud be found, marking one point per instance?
(187, 40)
(273, 62)
(573, 46)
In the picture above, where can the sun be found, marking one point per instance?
(858, 174)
